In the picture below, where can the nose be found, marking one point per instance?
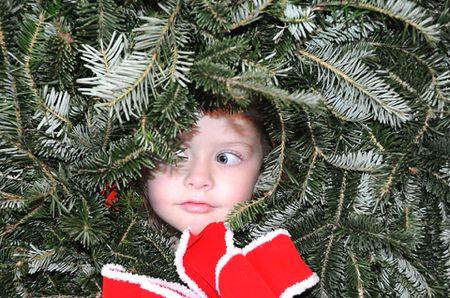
(198, 175)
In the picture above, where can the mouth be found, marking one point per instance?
(196, 207)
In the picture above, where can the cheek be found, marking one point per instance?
(158, 190)
(239, 187)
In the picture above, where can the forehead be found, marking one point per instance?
(222, 126)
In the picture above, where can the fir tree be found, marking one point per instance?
(356, 102)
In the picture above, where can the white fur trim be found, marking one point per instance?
(112, 267)
(300, 287)
(166, 289)
(263, 239)
(149, 282)
(160, 290)
(117, 272)
(179, 253)
(230, 252)
(229, 239)
(156, 285)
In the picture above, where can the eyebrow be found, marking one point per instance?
(237, 143)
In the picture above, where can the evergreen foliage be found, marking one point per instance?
(355, 96)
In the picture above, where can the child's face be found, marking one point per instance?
(224, 156)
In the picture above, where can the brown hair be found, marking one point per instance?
(252, 114)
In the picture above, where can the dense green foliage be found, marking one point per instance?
(356, 100)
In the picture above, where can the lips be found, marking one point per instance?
(196, 207)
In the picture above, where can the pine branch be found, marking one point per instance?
(314, 232)
(306, 185)
(402, 268)
(211, 16)
(181, 63)
(366, 198)
(219, 79)
(359, 278)
(10, 196)
(389, 182)
(86, 224)
(357, 161)
(50, 261)
(156, 30)
(342, 34)
(102, 61)
(30, 44)
(367, 228)
(274, 218)
(118, 163)
(404, 11)
(324, 266)
(58, 103)
(439, 85)
(373, 138)
(269, 70)
(45, 168)
(142, 71)
(10, 84)
(248, 12)
(361, 183)
(11, 228)
(130, 226)
(364, 91)
(162, 250)
(98, 20)
(29, 39)
(225, 51)
(300, 21)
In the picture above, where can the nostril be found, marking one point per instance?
(198, 175)
(198, 181)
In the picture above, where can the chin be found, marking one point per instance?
(197, 229)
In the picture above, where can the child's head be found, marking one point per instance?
(224, 154)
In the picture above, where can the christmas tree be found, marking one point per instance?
(355, 97)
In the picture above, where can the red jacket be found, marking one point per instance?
(211, 266)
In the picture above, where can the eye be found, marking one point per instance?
(181, 153)
(228, 158)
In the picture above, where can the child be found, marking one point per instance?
(222, 161)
